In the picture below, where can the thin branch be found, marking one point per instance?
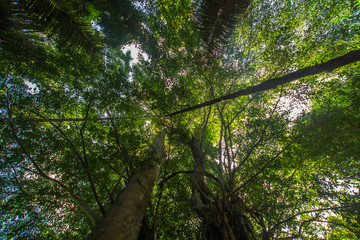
(84, 161)
(308, 221)
(338, 224)
(121, 175)
(259, 218)
(104, 186)
(92, 185)
(206, 121)
(258, 141)
(87, 210)
(66, 138)
(265, 166)
(250, 152)
(328, 66)
(99, 157)
(174, 174)
(119, 142)
(242, 110)
(82, 135)
(220, 142)
(18, 181)
(238, 148)
(45, 120)
(223, 134)
(230, 142)
(311, 211)
(227, 148)
(3, 84)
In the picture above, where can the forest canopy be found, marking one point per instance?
(235, 119)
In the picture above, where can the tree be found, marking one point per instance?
(79, 135)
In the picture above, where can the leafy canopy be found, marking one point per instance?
(75, 128)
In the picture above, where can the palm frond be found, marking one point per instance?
(218, 19)
(5, 22)
(56, 19)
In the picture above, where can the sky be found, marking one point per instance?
(134, 53)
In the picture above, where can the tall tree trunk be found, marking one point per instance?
(124, 218)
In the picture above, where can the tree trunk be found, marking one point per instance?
(226, 225)
(222, 219)
(124, 218)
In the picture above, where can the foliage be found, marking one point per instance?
(282, 163)
(59, 20)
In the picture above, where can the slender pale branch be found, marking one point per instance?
(206, 121)
(66, 138)
(87, 210)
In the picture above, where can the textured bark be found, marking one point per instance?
(124, 218)
(222, 218)
(226, 223)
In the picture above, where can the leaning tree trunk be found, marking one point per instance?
(124, 218)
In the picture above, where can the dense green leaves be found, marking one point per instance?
(278, 164)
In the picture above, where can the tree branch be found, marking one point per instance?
(310, 211)
(261, 138)
(92, 185)
(87, 210)
(279, 153)
(120, 144)
(328, 66)
(337, 224)
(173, 175)
(239, 112)
(265, 166)
(66, 138)
(42, 120)
(18, 181)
